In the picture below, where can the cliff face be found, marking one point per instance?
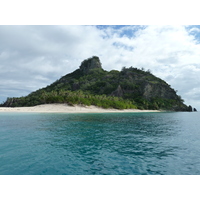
(151, 90)
(88, 65)
(118, 92)
(90, 84)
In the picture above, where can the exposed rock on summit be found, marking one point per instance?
(90, 64)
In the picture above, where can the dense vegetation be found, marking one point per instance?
(71, 98)
(91, 85)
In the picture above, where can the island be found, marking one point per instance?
(91, 85)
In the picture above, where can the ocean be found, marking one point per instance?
(164, 143)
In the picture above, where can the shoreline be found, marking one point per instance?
(65, 108)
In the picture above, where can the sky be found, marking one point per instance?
(32, 57)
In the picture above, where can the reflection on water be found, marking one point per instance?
(129, 143)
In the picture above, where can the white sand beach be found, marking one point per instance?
(65, 108)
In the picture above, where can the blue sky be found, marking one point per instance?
(32, 57)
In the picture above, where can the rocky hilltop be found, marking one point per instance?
(92, 85)
(87, 66)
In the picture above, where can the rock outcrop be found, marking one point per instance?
(190, 108)
(118, 92)
(154, 90)
(90, 64)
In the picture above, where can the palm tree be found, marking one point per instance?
(44, 96)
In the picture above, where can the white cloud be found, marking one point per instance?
(194, 30)
(32, 57)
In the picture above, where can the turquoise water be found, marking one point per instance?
(124, 143)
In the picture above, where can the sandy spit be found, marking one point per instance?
(65, 108)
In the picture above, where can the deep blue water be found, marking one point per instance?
(114, 144)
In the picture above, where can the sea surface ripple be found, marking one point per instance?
(166, 143)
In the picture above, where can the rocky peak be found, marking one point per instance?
(90, 64)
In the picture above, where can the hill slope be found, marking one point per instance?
(92, 85)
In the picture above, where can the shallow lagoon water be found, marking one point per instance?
(165, 143)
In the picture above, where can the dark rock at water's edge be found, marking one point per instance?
(92, 85)
(190, 108)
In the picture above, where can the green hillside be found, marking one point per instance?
(92, 85)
